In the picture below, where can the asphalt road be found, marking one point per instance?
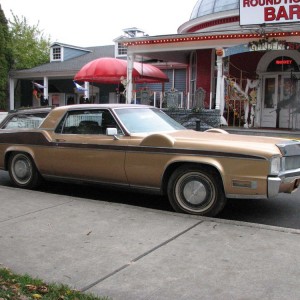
(282, 211)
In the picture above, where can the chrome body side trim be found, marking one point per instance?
(240, 196)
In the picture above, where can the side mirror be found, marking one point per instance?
(111, 131)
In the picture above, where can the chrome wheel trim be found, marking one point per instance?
(195, 192)
(21, 169)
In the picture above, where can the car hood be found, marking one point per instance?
(220, 142)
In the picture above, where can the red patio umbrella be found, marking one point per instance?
(149, 73)
(110, 70)
(103, 70)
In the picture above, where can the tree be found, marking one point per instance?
(5, 59)
(29, 46)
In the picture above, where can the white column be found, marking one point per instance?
(219, 82)
(46, 88)
(129, 88)
(161, 99)
(87, 90)
(11, 93)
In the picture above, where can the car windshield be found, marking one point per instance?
(141, 120)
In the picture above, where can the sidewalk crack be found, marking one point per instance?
(84, 289)
(35, 211)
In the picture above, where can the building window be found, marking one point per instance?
(56, 53)
(122, 50)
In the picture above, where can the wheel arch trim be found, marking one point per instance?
(174, 164)
(17, 149)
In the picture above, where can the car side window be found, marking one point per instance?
(87, 122)
(25, 121)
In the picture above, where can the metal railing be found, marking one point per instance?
(163, 100)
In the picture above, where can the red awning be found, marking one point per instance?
(110, 70)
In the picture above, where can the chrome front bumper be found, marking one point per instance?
(286, 182)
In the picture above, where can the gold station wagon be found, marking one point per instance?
(142, 148)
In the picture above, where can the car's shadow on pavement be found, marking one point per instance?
(282, 211)
(108, 194)
(261, 211)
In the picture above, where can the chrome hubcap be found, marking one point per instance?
(194, 192)
(21, 169)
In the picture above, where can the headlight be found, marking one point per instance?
(275, 165)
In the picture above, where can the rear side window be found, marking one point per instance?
(25, 121)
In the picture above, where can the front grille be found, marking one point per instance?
(292, 162)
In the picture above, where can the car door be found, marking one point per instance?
(83, 151)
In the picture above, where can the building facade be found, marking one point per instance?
(219, 59)
(250, 72)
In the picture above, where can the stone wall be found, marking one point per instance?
(206, 118)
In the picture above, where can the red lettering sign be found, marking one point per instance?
(284, 62)
(270, 13)
(295, 11)
(282, 14)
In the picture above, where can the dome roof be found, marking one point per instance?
(206, 7)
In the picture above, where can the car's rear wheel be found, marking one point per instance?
(196, 191)
(23, 171)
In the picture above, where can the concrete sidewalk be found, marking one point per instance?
(126, 252)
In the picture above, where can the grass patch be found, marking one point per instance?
(24, 287)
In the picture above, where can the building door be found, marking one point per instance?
(269, 101)
(280, 107)
(288, 102)
(280, 103)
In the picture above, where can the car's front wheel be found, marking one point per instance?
(196, 191)
(23, 171)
